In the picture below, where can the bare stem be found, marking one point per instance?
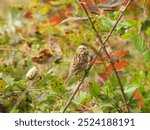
(8, 49)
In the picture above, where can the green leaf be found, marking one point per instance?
(84, 98)
(146, 106)
(127, 36)
(148, 32)
(44, 82)
(107, 24)
(131, 22)
(95, 89)
(134, 110)
(146, 55)
(130, 89)
(108, 105)
(147, 94)
(148, 77)
(15, 85)
(145, 25)
(57, 84)
(51, 99)
(4, 39)
(139, 43)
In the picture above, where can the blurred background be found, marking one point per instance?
(5, 4)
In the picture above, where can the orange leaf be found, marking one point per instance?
(117, 54)
(121, 53)
(109, 69)
(96, 62)
(103, 75)
(54, 20)
(118, 66)
(28, 15)
(137, 95)
(121, 64)
(88, 1)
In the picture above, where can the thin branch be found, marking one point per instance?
(8, 49)
(74, 93)
(90, 66)
(118, 108)
(107, 54)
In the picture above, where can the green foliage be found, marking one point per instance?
(95, 90)
(4, 39)
(59, 27)
(139, 43)
(130, 89)
(145, 24)
(146, 55)
(55, 83)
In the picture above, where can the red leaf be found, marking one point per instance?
(118, 65)
(137, 95)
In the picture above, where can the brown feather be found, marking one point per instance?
(79, 62)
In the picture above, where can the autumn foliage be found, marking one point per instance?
(38, 42)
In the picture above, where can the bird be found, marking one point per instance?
(79, 62)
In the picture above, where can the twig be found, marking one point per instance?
(103, 45)
(90, 66)
(118, 108)
(8, 49)
(74, 93)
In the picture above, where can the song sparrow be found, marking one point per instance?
(79, 62)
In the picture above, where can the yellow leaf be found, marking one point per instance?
(33, 3)
(44, 9)
(2, 83)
